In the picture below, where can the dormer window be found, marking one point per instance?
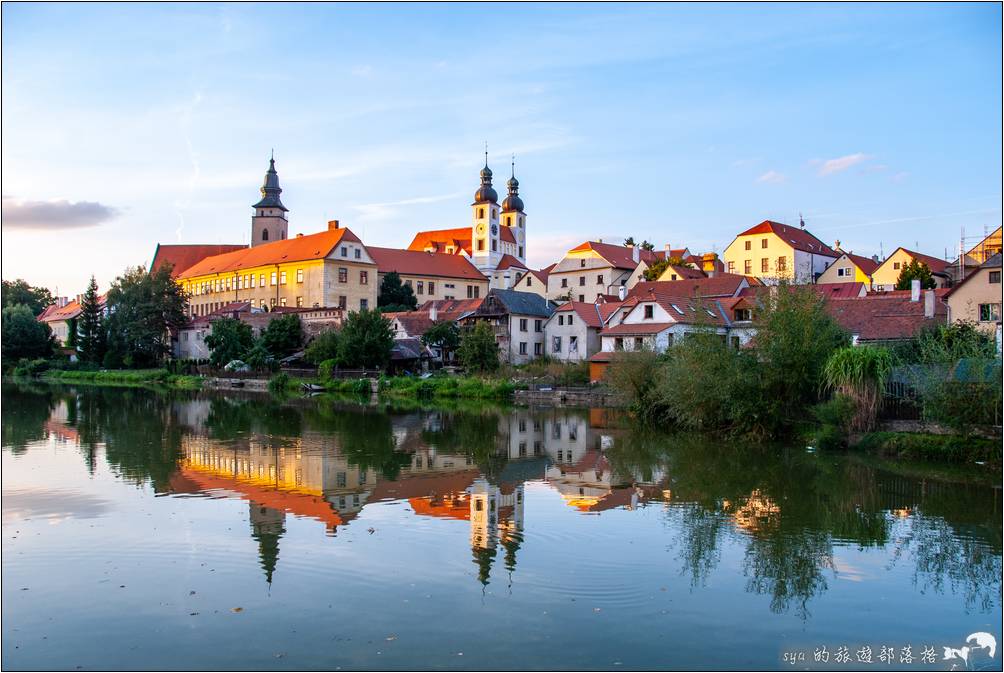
(649, 312)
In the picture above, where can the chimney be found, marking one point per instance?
(915, 289)
(300, 235)
(928, 303)
(709, 264)
(332, 225)
(635, 254)
(622, 292)
(433, 311)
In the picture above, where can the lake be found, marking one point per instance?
(147, 529)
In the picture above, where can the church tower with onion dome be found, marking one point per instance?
(269, 221)
(514, 216)
(485, 248)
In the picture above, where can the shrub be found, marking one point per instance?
(834, 418)
(323, 347)
(326, 368)
(278, 383)
(479, 352)
(859, 374)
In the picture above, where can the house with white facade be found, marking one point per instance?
(573, 331)
(517, 319)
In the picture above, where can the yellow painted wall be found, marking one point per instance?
(736, 256)
(830, 275)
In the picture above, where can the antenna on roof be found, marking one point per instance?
(486, 154)
(514, 164)
(801, 221)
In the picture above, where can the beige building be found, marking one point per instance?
(330, 268)
(978, 298)
(772, 251)
(431, 275)
(849, 268)
(885, 276)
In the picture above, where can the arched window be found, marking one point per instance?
(481, 213)
(264, 234)
(508, 220)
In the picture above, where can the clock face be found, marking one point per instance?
(495, 229)
(481, 229)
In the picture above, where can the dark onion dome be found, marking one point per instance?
(512, 202)
(486, 194)
(270, 189)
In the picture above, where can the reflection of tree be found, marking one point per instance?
(483, 558)
(789, 568)
(474, 435)
(25, 412)
(702, 530)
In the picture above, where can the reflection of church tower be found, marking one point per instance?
(269, 221)
(266, 529)
(489, 527)
(484, 514)
(513, 215)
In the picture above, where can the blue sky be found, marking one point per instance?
(128, 125)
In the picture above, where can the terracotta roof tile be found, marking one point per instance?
(440, 239)
(720, 285)
(183, 257)
(298, 249)
(420, 263)
(866, 264)
(619, 256)
(935, 264)
(508, 261)
(798, 238)
(642, 328)
(589, 313)
(885, 316)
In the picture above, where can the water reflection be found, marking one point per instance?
(790, 513)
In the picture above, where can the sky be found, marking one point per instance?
(129, 125)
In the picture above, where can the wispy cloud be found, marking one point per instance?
(54, 215)
(831, 166)
(386, 210)
(772, 177)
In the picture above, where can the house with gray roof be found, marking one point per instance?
(517, 319)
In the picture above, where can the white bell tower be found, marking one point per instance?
(485, 248)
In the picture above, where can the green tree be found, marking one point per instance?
(258, 358)
(23, 335)
(859, 373)
(655, 269)
(366, 340)
(323, 347)
(479, 352)
(645, 245)
(915, 269)
(444, 336)
(19, 292)
(145, 308)
(90, 328)
(230, 339)
(283, 336)
(629, 242)
(395, 295)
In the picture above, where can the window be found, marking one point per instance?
(342, 302)
(264, 234)
(481, 213)
(495, 245)
(782, 264)
(561, 320)
(261, 281)
(582, 281)
(649, 312)
(522, 324)
(731, 267)
(764, 265)
(345, 251)
(638, 343)
(573, 344)
(845, 271)
(619, 343)
(495, 213)
(508, 220)
(735, 342)
(299, 302)
(582, 264)
(432, 287)
(364, 277)
(481, 244)
(895, 265)
(359, 253)
(743, 315)
(994, 277)
(582, 298)
(273, 278)
(522, 348)
(564, 282)
(343, 274)
(282, 278)
(299, 275)
(282, 301)
(556, 344)
(520, 251)
(599, 279)
(570, 318)
(538, 325)
(340, 479)
(748, 267)
(990, 312)
(364, 304)
(749, 245)
(538, 348)
(271, 302)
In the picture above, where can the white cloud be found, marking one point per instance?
(52, 215)
(387, 210)
(831, 166)
(772, 177)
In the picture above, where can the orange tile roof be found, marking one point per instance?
(440, 239)
(798, 238)
(886, 316)
(591, 314)
(507, 236)
(839, 290)
(866, 264)
(298, 249)
(70, 310)
(508, 261)
(619, 256)
(720, 285)
(631, 329)
(935, 264)
(183, 257)
(421, 263)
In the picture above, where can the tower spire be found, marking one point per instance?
(486, 154)
(270, 189)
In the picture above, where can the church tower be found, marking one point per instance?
(513, 215)
(485, 248)
(269, 220)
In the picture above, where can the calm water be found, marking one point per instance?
(148, 530)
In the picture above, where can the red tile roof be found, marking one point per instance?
(866, 264)
(603, 356)
(588, 312)
(508, 261)
(887, 316)
(439, 239)
(720, 285)
(619, 256)
(935, 264)
(685, 272)
(183, 257)
(419, 263)
(506, 235)
(68, 311)
(298, 249)
(839, 290)
(799, 239)
(542, 274)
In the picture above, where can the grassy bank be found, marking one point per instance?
(409, 387)
(925, 447)
(124, 376)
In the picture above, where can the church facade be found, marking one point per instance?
(495, 242)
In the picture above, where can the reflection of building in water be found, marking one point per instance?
(496, 514)
(756, 514)
(266, 529)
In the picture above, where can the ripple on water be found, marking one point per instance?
(20, 504)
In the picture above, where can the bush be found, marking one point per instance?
(26, 367)
(278, 383)
(366, 340)
(834, 417)
(326, 368)
(324, 347)
(915, 446)
(859, 374)
(479, 352)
